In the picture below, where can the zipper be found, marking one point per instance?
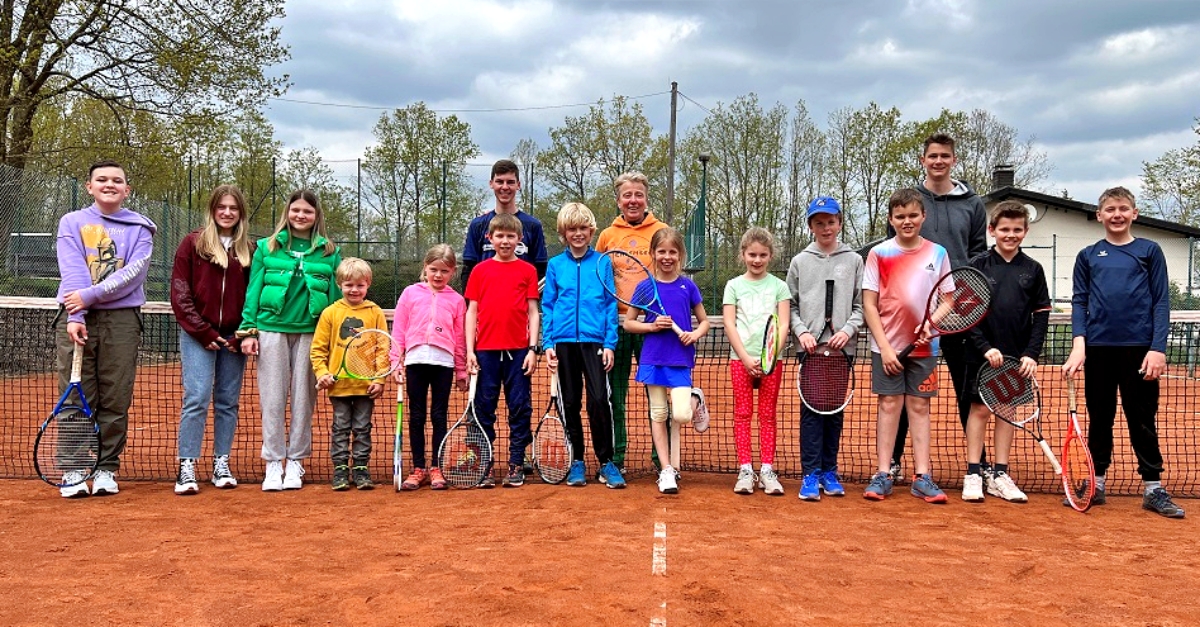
(432, 314)
(578, 294)
(221, 313)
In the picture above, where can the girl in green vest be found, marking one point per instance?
(291, 282)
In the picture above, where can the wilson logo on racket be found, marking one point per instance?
(1007, 386)
(967, 302)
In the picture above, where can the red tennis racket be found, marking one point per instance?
(959, 301)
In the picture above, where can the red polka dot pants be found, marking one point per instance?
(743, 405)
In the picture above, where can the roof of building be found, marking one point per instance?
(1016, 193)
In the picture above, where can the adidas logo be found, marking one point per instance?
(930, 267)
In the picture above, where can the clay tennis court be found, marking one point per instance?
(548, 555)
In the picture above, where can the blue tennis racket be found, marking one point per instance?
(635, 285)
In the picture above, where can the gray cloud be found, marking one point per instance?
(1102, 86)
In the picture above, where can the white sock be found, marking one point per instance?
(766, 468)
(1099, 482)
(1152, 486)
(749, 467)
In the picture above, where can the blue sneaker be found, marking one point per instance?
(924, 488)
(879, 488)
(610, 476)
(830, 483)
(810, 490)
(577, 475)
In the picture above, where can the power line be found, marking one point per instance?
(689, 99)
(496, 110)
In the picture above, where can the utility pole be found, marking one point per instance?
(669, 208)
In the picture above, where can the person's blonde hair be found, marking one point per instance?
(667, 236)
(1116, 193)
(353, 269)
(439, 252)
(756, 235)
(208, 244)
(318, 224)
(574, 215)
(631, 177)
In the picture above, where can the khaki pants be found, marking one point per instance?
(109, 366)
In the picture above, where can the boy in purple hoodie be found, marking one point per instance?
(103, 257)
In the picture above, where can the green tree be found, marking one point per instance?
(172, 58)
(1171, 184)
(981, 142)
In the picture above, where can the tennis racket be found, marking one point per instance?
(367, 356)
(1016, 400)
(825, 376)
(466, 451)
(958, 301)
(551, 446)
(398, 441)
(635, 279)
(1079, 474)
(66, 451)
(772, 345)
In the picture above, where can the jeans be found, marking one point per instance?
(208, 376)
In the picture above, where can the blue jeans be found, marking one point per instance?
(208, 375)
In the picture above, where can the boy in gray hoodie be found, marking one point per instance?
(825, 259)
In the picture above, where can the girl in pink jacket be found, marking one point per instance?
(431, 344)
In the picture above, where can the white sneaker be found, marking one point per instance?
(185, 482)
(1001, 485)
(104, 483)
(80, 487)
(291, 476)
(700, 417)
(973, 489)
(221, 476)
(667, 483)
(745, 482)
(768, 480)
(274, 480)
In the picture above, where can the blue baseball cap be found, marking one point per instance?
(823, 204)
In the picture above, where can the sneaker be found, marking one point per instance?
(830, 484)
(414, 481)
(185, 481)
(104, 483)
(896, 472)
(880, 487)
(341, 478)
(487, 483)
(292, 474)
(274, 479)
(436, 480)
(924, 488)
(75, 485)
(1001, 484)
(667, 483)
(810, 490)
(700, 417)
(577, 475)
(362, 478)
(745, 482)
(768, 480)
(527, 465)
(1098, 497)
(222, 477)
(973, 489)
(1159, 502)
(611, 476)
(515, 477)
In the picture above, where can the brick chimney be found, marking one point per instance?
(1003, 175)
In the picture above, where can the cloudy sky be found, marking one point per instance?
(1101, 85)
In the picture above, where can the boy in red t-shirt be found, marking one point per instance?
(501, 329)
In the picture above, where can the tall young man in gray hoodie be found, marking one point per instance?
(956, 219)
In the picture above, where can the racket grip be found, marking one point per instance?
(1071, 393)
(678, 331)
(1050, 456)
(906, 352)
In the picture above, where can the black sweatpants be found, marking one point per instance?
(581, 365)
(435, 381)
(1113, 368)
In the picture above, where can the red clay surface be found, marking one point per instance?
(549, 555)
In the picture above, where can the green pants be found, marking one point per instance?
(109, 366)
(629, 346)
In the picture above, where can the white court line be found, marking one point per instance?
(659, 560)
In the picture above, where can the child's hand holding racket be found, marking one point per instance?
(326, 382)
(839, 340)
(688, 338)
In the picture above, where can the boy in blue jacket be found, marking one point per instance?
(579, 335)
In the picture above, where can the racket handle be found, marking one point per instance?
(906, 352)
(76, 363)
(471, 388)
(678, 331)
(553, 385)
(1050, 456)
(1071, 394)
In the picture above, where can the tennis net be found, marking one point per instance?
(31, 388)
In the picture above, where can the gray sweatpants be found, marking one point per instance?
(284, 366)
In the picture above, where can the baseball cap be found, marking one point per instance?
(823, 204)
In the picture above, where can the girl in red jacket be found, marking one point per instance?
(208, 290)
